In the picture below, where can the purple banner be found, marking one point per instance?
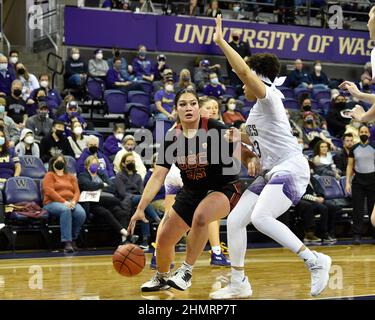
(100, 28)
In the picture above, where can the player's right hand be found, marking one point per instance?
(218, 35)
(138, 215)
(233, 135)
(253, 167)
(351, 87)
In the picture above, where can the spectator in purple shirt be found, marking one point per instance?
(6, 77)
(142, 66)
(113, 143)
(214, 88)
(164, 101)
(114, 79)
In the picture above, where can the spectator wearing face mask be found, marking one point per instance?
(159, 67)
(29, 81)
(231, 116)
(202, 73)
(341, 156)
(243, 49)
(113, 143)
(27, 145)
(114, 79)
(78, 140)
(214, 88)
(13, 57)
(12, 134)
(312, 134)
(40, 123)
(71, 112)
(336, 121)
(98, 67)
(55, 143)
(164, 101)
(306, 106)
(125, 70)
(111, 4)
(129, 144)
(142, 66)
(7, 76)
(16, 106)
(75, 70)
(185, 81)
(93, 150)
(52, 97)
(361, 163)
(353, 128)
(9, 162)
(317, 77)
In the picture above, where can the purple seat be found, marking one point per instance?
(342, 185)
(160, 130)
(330, 186)
(139, 97)
(325, 104)
(32, 167)
(147, 87)
(245, 111)
(287, 92)
(290, 103)
(115, 100)
(95, 88)
(139, 115)
(70, 164)
(298, 92)
(231, 91)
(322, 94)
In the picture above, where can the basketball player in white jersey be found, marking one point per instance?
(284, 179)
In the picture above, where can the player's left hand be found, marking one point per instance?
(358, 112)
(218, 35)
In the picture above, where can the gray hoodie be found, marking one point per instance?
(11, 131)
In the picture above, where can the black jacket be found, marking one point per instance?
(49, 147)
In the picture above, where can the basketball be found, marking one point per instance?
(129, 260)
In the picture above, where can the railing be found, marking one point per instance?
(49, 29)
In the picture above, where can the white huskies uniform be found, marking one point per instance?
(270, 132)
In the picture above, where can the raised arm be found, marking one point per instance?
(354, 91)
(249, 78)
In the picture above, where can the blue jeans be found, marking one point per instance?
(71, 221)
(150, 214)
(74, 80)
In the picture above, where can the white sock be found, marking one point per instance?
(306, 255)
(237, 275)
(187, 266)
(216, 250)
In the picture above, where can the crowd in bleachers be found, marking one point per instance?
(41, 129)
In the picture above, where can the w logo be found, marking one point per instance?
(29, 161)
(21, 184)
(327, 181)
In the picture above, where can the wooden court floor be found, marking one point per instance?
(274, 274)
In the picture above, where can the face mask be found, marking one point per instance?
(186, 79)
(117, 53)
(93, 149)
(21, 71)
(215, 81)
(119, 136)
(17, 92)
(236, 38)
(94, 168)
(129, 149)
(43, 114)
(3, 66)
(29, 140)
(318, 68)
(75, 56)
(59, 165)
(44, 84)
(169, 87)
(340, 105)
(59, 133)
(309, 120)
(13, 60)
(99, 56)
(236, 9)
(142, 54)
(2, 109)
(2, 141)
(363, 138)
(306, 107)
(232, 106)
(130, 166)
(78, 130)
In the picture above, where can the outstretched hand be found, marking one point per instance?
(218, 35)
(358, 112)
(351, 87)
